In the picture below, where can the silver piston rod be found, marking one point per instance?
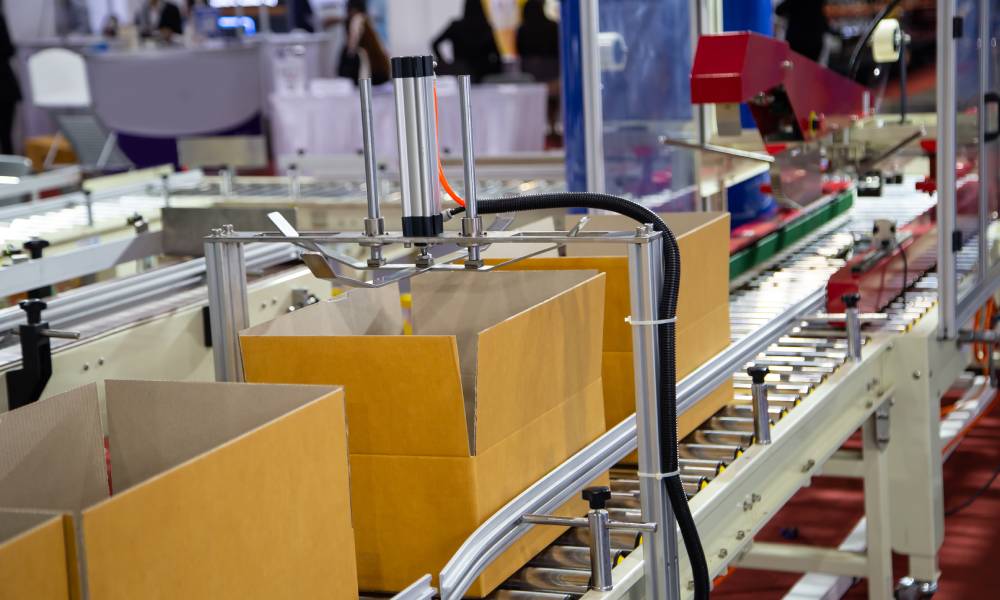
(413, 84)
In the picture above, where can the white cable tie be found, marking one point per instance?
(632, 322)
(661, 476)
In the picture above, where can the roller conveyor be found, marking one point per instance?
(800, 360)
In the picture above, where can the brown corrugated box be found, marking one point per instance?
(500, 384)
(702, 307)
(33, 557)
(221, 490)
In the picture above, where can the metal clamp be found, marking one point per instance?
(600, 524)
(758, 391)
(25, 385)
(853, 319)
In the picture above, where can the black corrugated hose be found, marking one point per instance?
(666, 338)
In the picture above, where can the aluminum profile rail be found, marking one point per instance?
(115, 295)
(505, 527)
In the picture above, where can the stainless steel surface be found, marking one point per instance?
(948, 323)
(471, 224)
(600, 550)
(645, 268)
(417, 146)
(227, 301)
(761, 414)
(368, 139)
(853, 328)
(185, 228)
(713, 149)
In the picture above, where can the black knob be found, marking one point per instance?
(757, 374)
(851, 300)
(34, 308)
(35, 246)
(597, 496)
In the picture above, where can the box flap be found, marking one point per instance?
(358, 312)
(403, 393)
(466, 305)
(156, 425)
(264, 515)
(52, 453)
(680, 224)
(33, 559)
(14, 523)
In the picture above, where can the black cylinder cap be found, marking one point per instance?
(34, 308)
(412, 66)
(851, 300)
(757, 374)
(35, 246)
(597, 496)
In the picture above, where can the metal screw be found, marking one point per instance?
(741, 534)
(100, 362)
(86, 366)
(917, 374)
(808, 466)
(869, 403)
(787, 65)
(723, 553)
(755, 498)
(274, 301)
(228, 230)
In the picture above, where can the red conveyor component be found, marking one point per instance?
(792, 98)
(882, 281)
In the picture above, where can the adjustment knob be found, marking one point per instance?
(597, 496)
(34, 246)
(34, 308)
(757, 374)
(851, 300)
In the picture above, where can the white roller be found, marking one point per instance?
(887, 41)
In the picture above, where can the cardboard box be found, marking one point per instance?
(221, 490)
(500, 384)
(702, 307)
(33, 556)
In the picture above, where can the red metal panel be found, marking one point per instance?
(734, 67)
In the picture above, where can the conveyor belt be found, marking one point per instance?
(800, 361)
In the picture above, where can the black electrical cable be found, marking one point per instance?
(968, 502)
(855, 64)
(666, 339)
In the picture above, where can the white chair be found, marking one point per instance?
(58, 80)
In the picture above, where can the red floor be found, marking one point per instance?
(826, 512)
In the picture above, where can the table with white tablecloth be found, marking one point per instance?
(506, 119)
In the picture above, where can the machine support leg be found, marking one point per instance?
(660, 547)
(228, 309)
(878, 532)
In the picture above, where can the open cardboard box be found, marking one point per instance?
(702, 307)
(33, 557)
(500, 384)
(221, 490)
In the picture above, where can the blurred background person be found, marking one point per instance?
(807, 26)
(301, 15)
(363, 54)
(10, 91)
(160, 18)
(474, 47)
(109, 29)
(538, 48)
